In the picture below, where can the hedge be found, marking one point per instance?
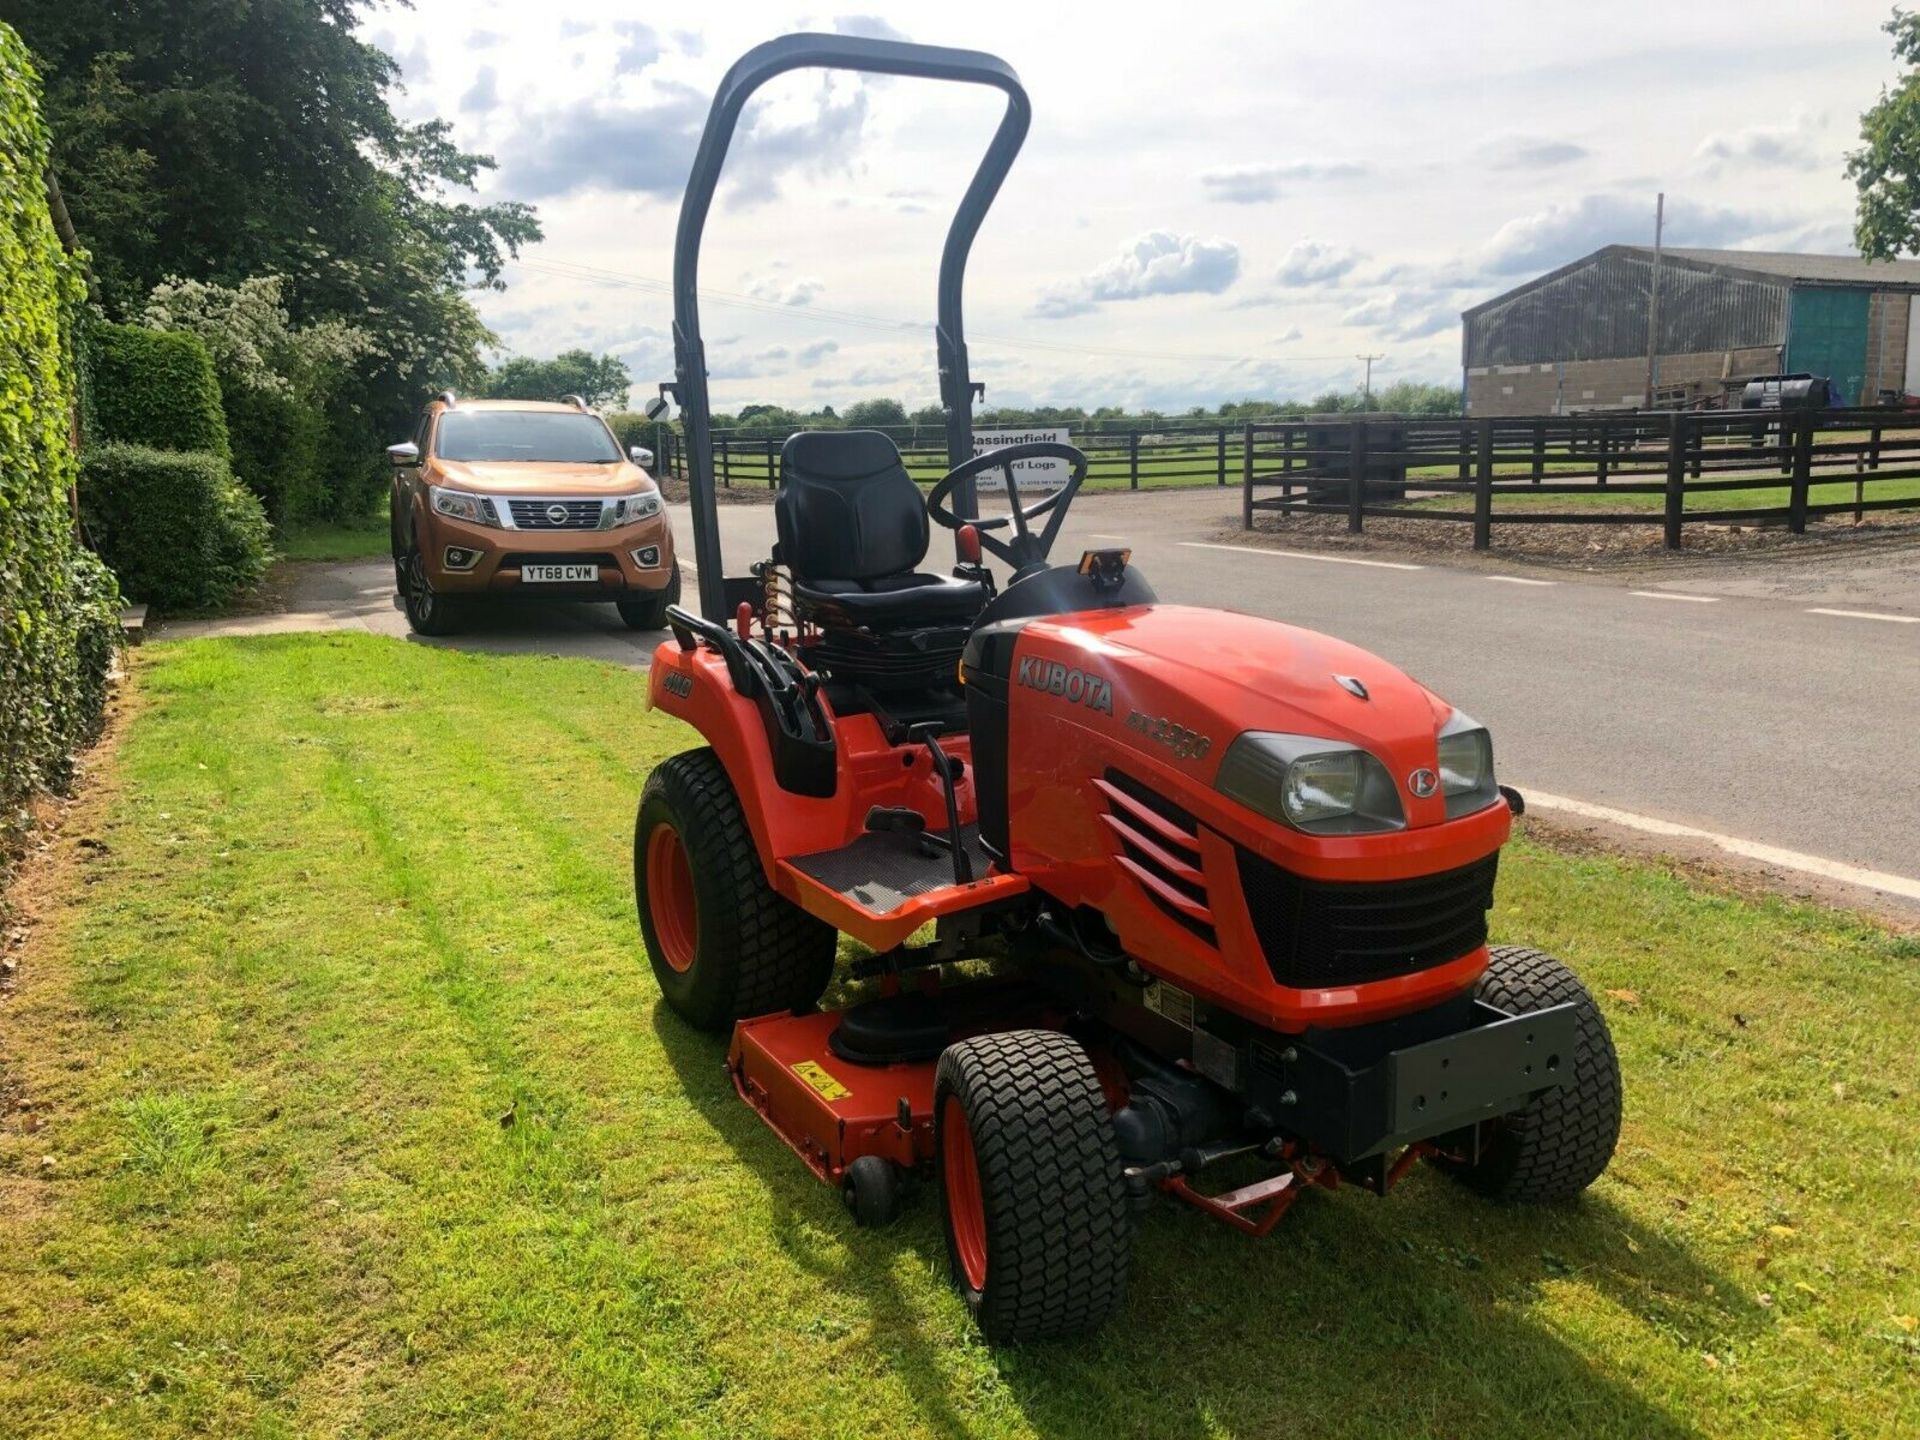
(176, 527)
(276, 451)
(59, 621)
(157, 388)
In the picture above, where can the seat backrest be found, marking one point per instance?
(847, 509)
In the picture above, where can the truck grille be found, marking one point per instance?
(1317, 933)
(1160, 848)
(555, 514)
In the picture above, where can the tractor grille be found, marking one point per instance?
(1160, 848)
(1317, 933)
(555, 514)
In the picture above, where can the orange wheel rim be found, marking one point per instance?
(965, 1213)
(676, 919)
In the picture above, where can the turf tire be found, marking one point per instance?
(1058, 1230)
(650, 612)
(1557, 1145)
(754, 952)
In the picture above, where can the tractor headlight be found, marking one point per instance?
(1466, 765)
(630, 509)
(1325, 787)
(474, 509)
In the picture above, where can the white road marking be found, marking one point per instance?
(1301, 555)
(1868, 615)
(1675, 595)
(1101, 535)
(1902, 885)
(1520, 580)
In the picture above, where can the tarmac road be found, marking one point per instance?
(1724, 702)
(1697, 702)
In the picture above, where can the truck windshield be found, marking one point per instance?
(532, 435)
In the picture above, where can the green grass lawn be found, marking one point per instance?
(1819, 492)
(365, 538)
(336, 1098)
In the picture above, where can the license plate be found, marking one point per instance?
(560, 574)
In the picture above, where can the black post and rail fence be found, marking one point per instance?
(1773, 467)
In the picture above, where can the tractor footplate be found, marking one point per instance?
(883, 869)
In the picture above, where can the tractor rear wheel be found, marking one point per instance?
(722, 943)
(1560, 1142)
(1038, 1229)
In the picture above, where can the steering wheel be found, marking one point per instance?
(1025, 548)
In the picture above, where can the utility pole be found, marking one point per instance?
(1653, 298)
(1367, 389)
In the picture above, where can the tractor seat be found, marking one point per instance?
(852, 527)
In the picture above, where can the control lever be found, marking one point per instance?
(949, 770)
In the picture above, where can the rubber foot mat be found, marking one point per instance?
(883, 869)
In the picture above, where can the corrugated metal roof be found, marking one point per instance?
(1816, 269)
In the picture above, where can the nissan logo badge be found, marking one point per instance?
(556, 514)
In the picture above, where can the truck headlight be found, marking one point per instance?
(1466, 765)
(474, 509)
(1325, 787)
(630, 509)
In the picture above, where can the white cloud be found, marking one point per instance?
(1531, 152)
(1158, 263)
(1256, 184)
(783, 289)
(641, 49)
(484, 94)
(1792, 146)
(1309, 262)
(1568, 229)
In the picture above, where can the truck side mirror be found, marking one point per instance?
(640, 454)
(405, 453)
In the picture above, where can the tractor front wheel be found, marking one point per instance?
(1559, 1142)
(722, 943)
(1038, 1229)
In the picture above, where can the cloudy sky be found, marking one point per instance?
(1215, 201)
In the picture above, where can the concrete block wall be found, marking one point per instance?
(1578, 385)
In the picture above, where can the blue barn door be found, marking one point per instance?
(1827, 335)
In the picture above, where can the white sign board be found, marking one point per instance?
(1048, 472)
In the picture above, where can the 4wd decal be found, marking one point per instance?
(1186, 744)
(679, 683)
(1076, 687)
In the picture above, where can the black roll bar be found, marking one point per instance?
(749, 73)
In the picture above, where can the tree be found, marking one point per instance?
(600, 380)
(871, 414)
(1886, 170)
(222, 142)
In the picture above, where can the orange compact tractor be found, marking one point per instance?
(1231, 877)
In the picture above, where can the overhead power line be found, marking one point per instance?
(824, 314)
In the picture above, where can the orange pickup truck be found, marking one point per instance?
(523, 499)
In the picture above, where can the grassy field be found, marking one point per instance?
(335, 1098)
(360, 539)
(1829, 492)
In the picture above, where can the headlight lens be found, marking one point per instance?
(474, 509)
(1325, 787)
(632, 509)
(1466, 765)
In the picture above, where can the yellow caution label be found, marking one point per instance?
(820, 1080)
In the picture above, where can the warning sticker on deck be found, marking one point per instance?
(819, 1079)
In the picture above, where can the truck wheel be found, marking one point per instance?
(1557, 1145)
(650, 611)
(1039, 1235)
(428, 613)
(722, 943)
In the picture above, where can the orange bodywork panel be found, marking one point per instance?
(693, 685)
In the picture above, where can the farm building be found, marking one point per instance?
(1576, 339)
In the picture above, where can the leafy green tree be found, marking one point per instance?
(222, 141)
(1886, 169)
(870, 414)
(600, 380)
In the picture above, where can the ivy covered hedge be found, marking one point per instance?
(176, 527)
(157, 388)
(59, 610)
